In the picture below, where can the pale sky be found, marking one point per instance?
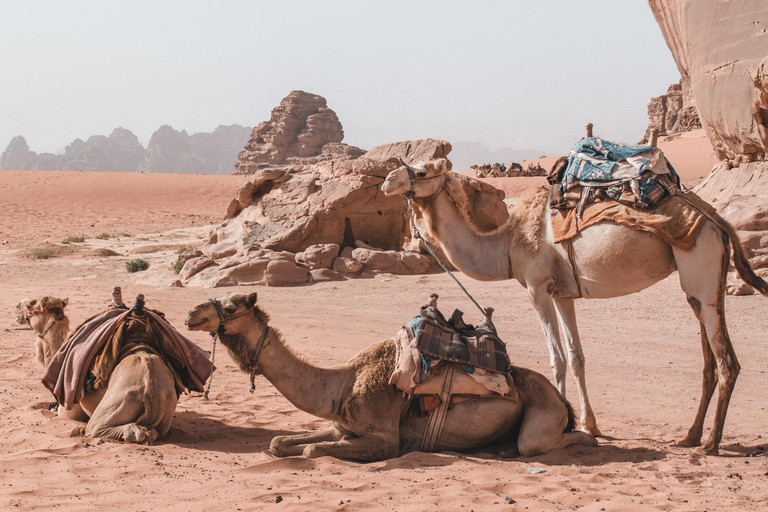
(517, 73)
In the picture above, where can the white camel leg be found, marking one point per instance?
(368, 448)
(566, 313)
(702, 276)
(543, 305)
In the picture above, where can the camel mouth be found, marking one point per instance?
(192, 325)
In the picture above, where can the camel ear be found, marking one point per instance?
(31, 302)
(64, 302)
(439, 166)
(251, 299)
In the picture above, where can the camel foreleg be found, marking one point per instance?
(368, 448)
(566, 313)
(545, 310)
(286, 446)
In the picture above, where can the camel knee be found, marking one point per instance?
(280, 446)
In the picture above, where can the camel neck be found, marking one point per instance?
(482, 256)
(306, 386)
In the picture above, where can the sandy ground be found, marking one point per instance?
(642, 352)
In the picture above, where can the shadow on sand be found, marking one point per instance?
(193, 430)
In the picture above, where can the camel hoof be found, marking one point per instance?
(687, 443)
(312, 451)
(707, 450)
(136, 434)
(77, 432)
(276, 447)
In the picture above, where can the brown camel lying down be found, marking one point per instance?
(368, 414)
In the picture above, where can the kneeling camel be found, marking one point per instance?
(139, 400)
(368, 414)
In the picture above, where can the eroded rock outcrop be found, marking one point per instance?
(329, 219)
(721, 50)
(673, 112)
(302, 130)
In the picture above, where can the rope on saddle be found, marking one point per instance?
(417, 235)
(437, 417)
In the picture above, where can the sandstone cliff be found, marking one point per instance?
(721, 50)
(673, 112)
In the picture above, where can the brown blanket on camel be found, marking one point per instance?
(672, 219)
(96, 345)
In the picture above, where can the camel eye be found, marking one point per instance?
(230, 310)
(421, 174)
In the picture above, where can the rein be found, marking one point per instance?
(418, 236)
(223, 319)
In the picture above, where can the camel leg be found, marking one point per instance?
(542, 303)
(709, 382)
(286, 446)
(566, 313)
(544, 420)
(702, 273)
(114, 417)
(368, 448)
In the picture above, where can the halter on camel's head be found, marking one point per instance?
(44, 305)
(405, 178)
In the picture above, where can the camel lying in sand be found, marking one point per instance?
(139, 401)
(368, 414)
(609, 260)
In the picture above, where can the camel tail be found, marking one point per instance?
(740, 260)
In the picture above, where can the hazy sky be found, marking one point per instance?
(518, 73)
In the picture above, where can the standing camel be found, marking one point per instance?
(139, 400)
(609, 260)
(369, 414)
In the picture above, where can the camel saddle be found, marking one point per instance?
(429, 345)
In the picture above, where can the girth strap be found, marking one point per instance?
(437, 417)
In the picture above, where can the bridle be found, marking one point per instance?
(223, 319)
(36, 312)
(413, 178)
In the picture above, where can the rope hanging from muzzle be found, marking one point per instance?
(417, 235)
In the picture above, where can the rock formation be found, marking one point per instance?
(302, 130)
(721, 50)
(674, 112)
(168, 151)
(294, 224)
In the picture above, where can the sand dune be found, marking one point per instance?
(643, 366)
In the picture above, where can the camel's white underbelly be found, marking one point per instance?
(613, 260)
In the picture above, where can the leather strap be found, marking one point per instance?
(437, 417)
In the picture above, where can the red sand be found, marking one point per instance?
(643, 365)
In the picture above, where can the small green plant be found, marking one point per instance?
(179, 265)
(103, 236)
(184, 249)
(104, 252)
(136, 266)
(73, 240)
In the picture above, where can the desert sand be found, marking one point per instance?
(643, 367)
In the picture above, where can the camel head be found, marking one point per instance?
(20, 312)
(422, 180)
(38, 311)
(227, 315)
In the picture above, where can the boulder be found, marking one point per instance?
(285, 273)
(321, 275)
(347, 265)
(392, 262)
(318, 256)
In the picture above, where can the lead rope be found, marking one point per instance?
(213, 367)
(417, 235)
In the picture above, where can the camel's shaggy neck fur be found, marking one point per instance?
(448, 211)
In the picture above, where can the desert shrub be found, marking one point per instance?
(106, 252)
(103, 236)
(48, 252)
(179, 265)
(73, 240)
(184, 249)
(136, 266)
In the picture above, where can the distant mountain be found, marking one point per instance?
(466, 153)
(168, 151)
